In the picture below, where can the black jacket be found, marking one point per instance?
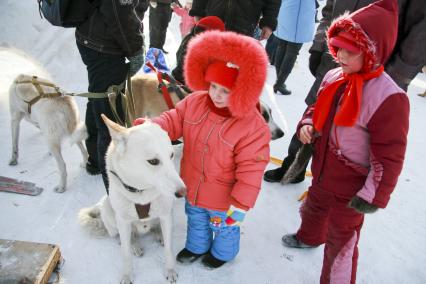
(115, 27)
(241, 16)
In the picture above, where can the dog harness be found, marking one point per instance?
(41, 94)
(141, 209)
(165, 89)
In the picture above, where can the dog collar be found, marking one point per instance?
(128, 187)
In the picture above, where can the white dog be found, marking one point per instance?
(57, 117)
(140, 169)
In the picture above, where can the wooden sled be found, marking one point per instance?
(27, 262)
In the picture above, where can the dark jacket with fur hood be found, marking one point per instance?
(115, 28)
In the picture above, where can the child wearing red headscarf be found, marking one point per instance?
(358, 128)
(225, 138)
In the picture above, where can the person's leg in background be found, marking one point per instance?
(271, 48)
(92, 166)
(286, 56)
(316, 11)
(275, 175)
(103, 71)
(159, 18)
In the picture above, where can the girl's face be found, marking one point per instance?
(219, 95)
(350, 62)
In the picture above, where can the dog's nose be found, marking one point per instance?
(278, 133)
(180, 192)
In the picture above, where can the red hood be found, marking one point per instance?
(375, 28)
(245, 52)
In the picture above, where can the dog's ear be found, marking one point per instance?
(118, 133)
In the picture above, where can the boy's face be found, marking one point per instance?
(219, 95)
(351, 62)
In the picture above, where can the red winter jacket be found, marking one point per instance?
(224, 157)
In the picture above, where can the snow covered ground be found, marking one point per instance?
(392, 246)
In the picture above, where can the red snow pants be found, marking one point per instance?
(327, 219)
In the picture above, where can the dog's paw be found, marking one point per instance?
(137, 250)
(171, 275)
(126, 279)
(59, 189)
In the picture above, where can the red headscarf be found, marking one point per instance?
(351, 100)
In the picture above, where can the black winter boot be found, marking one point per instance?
(281, 90)
(92, 170)
(212, 262)
(187, 256)
(274, 175)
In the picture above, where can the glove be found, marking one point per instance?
(139, 121)
(362, 206)
(314, 61)
(235, 216)
(135, 63)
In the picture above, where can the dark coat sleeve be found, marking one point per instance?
(270, 12)
(124, 21)
(409, 55)
(198, 8)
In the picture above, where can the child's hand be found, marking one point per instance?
(235, 216)
(138, 121)
(362, 206)
(306, 134)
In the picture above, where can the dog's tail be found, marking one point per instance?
(299, 164)
(90, 219)
(79, 133)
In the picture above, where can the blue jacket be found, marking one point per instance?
(296, 21)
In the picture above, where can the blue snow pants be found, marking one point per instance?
(207, 230)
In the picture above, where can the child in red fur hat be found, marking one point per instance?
(226, 141)
(358, 128)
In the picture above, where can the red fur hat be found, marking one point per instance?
(222, 73)
(243, 52)
(373, 29)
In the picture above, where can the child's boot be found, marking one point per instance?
(290, 240)
(186, 256)
(212, 262)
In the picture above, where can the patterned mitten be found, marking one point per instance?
(362, 206)
(235, 216)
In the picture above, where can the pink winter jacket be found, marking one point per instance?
(224, 157)
(186, 23)
(365, 159)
